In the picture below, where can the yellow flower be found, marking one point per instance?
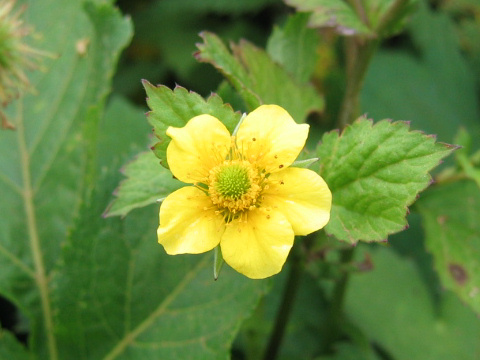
(245, 196)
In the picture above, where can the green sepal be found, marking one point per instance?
(304, 163)
(176, 107)
(217, 261)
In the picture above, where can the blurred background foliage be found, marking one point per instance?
(428, 74)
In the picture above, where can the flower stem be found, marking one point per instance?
(362, 54)
(359, 54)
(285, 309)
(335, 316)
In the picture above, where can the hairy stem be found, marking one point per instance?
(289, 293)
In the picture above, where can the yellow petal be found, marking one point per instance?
(270, 137)
(185, 224)
(197, 147)
(302, 196)
(258, 247)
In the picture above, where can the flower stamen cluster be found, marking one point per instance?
(234, 186)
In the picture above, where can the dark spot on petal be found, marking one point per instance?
(268, 216)
(281, 182)
(280, 166)
(458, 273)
(254, 139)
(276, 156)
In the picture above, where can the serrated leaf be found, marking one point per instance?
(11, 349)
(177, 107)
(258, 79)
(294, 46)
(374, 173)
(336, 14)
(394, 308)
(121, 297)
(451, 216)
(146, 183)
(41, 167)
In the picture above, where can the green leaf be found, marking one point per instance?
(121, 297)
(336, 14)
(258, 79)
(434, 80)
(146, 183)
(374, 173)
(41, 167)
(294, 46)
(11, 349)
(379, 13)
(393, 306)
(114, 146)
(451, 213)
(177, 107)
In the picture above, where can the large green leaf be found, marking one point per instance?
(121, 297)
(431, 86)
(41, 162)
(11, 349)
(177, 107)
(258, 79)
(294, 46)
(374, 173)
(146, 183)
(336, 14)
(451, 216)
(393, 306)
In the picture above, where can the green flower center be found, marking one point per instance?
(233, 181)
(234, 187)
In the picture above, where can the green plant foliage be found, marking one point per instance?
(294, 46)
(122, 132)
(258, 79)
(166, 32)
(79, 183)
(450, 213)
(435, 81)
(146, 183)
(394, 308)
(177, 107)
(42, 162)
(336, 14)
(379, 12)
(10, 348)
(120, 296)
(375, 172)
